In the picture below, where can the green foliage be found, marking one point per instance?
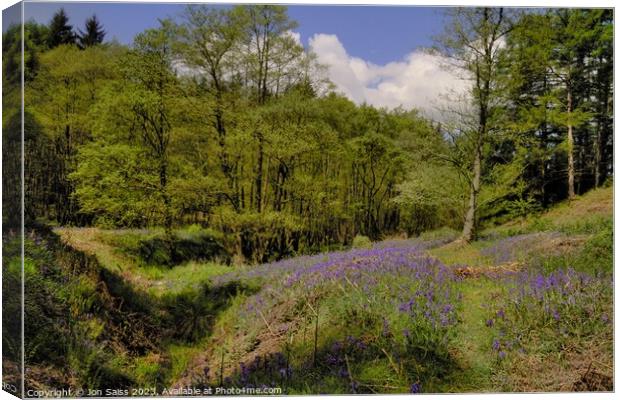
(545, 65)
(262, 236)
(595, 256)
(67, 86)
(361, 242)
(598, 252)
(444, 234)
(93, 34)
(11, 299)
(202, 245)
(147, 371)
(45, 321)
(60, 32)
(189, 313)
(140, 156)
(424, 204)
(219, 121)
(57, 334)
(35, 42)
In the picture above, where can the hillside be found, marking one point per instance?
(422, 315)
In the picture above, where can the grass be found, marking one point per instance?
(180, 356)
(109, 247)
(581, 215)
(283, 319)
(458, 253)
(472, 342)
(177, 279)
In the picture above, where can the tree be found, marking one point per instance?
(93, 34)
(66, 87)
(35, 42)
(124, 174)
(602, 53)
(376, 163)
(473, 42)
(571, 32)
(267, 25)
(529, 93)
(152, 80)
(207, 42)
(220, 120)
(60, 32)
(558, 78)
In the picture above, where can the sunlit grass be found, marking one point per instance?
(581, 215)
(180, 355)
(282, 316)
(458, 253)
(179, 278)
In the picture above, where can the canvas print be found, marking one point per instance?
(250, 199)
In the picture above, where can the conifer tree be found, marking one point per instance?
(60, 32)
(93, 33)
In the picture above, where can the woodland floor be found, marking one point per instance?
(558, 238)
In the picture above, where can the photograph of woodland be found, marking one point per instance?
(262, 199)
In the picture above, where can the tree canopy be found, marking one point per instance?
(219, 117)
(93, 33)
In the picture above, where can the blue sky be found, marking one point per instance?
(373, 54)
(375, 33)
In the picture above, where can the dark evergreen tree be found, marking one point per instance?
(93, 34)
(60, 32)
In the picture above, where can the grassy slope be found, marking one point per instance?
(577, 223)
(107, 246)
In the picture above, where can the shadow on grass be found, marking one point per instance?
(349, 366)
(190, 314)
(146, 320)
(110, 322)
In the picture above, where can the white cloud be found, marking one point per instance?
(296, 36)
(418, 81)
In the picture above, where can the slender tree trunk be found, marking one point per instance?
(163, 187)
(597, 156)
(571, 145)
(163, 183)
(469, 227)
(259, 172)
(601, 139)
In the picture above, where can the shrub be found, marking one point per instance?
(189, 245)
(189, 312)
(11, 301)
(263, 237)
(361, 242)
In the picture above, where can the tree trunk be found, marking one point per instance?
(469, 228)
(597, 156)
(163, 187)
(602, 137)
(571, 145)
(259, 172)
